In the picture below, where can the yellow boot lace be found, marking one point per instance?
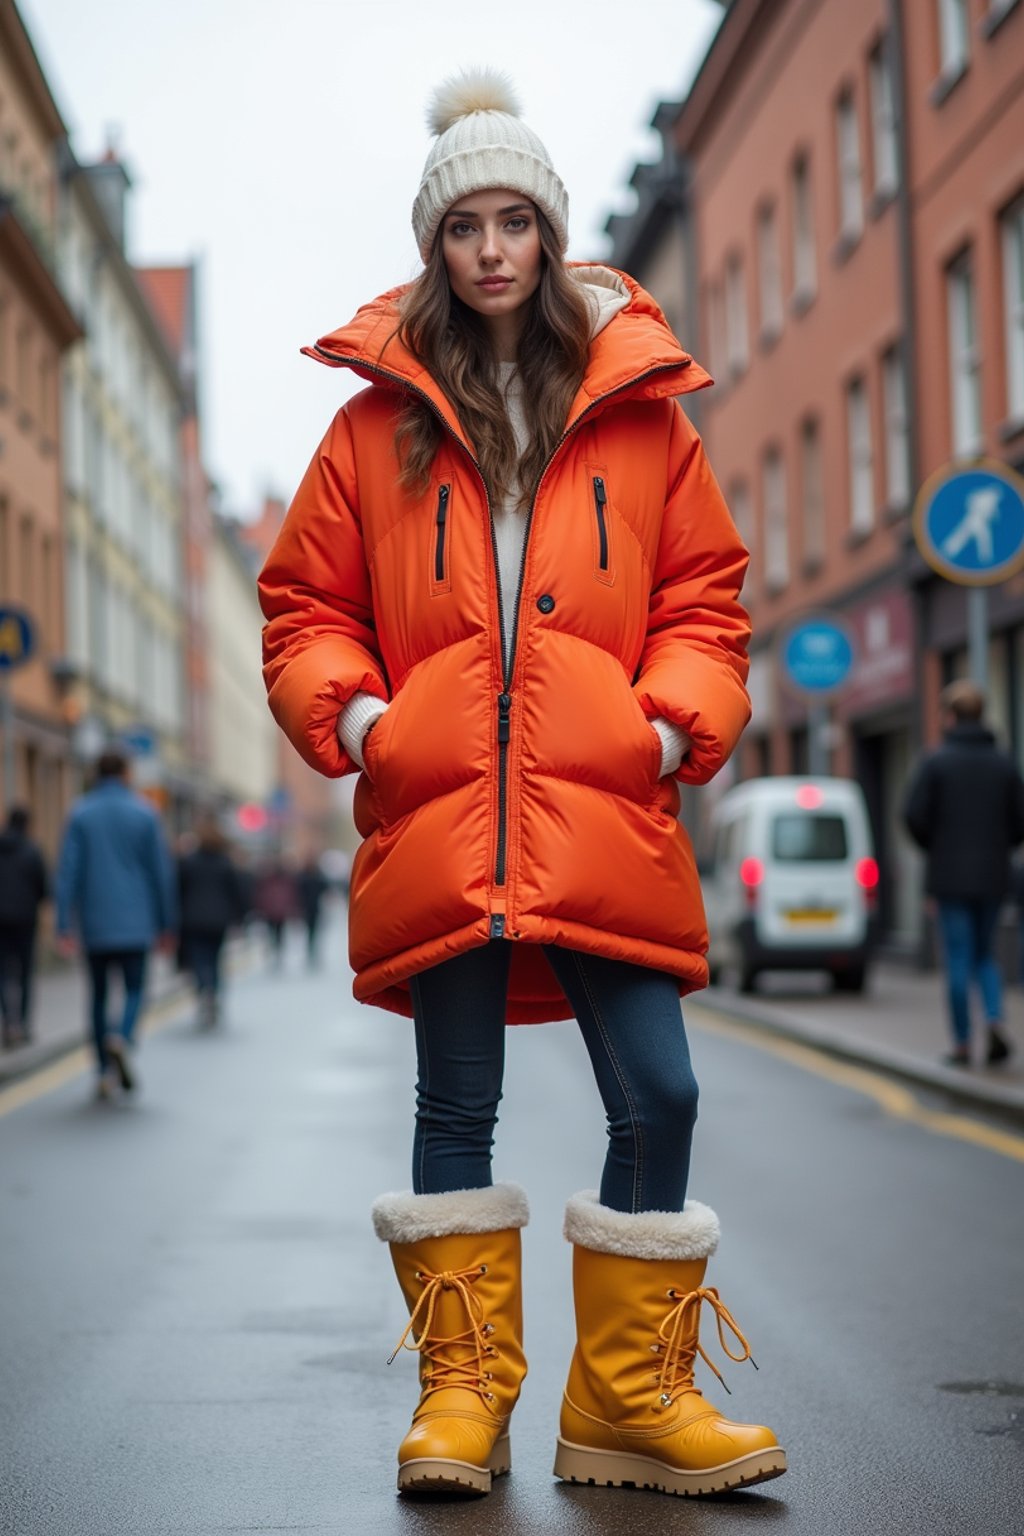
(457, 1360)
(679, 1341)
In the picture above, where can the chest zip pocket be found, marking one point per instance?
(604, 563)
(440, 571)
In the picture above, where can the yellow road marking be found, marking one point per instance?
(894, 1098)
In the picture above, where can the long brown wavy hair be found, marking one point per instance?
(453, 344)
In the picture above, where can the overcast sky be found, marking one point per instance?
(281, 143)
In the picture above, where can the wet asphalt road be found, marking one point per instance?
(195, 1314)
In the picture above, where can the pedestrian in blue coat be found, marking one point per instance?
(115, 890)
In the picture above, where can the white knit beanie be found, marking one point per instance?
(482, 142)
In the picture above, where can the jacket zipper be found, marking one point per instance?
(600, 500)
(443, 494)
(497, 926)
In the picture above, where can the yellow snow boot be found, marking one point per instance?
(458, 1261)
(631, 1415)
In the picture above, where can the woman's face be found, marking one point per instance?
(491, 246)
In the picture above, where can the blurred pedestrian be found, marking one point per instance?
(508, 590)
(211, 901)
(276, 901)
(965, 807)
(24, 885)
(312, 886)
(115, 891)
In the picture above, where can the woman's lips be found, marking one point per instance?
(496, 284)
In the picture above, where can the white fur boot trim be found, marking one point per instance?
(692, 1233)
(409, 1218)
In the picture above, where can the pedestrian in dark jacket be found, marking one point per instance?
(276, 901)
(965, 808)
(312, 885)
(115, 888)
(211, 900)
(23, 886)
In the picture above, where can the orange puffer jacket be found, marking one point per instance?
(518, 801)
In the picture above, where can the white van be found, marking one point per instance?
(790, 880)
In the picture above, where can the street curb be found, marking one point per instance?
(45, 1052)
(993, 1098)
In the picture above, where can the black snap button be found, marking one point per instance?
(546, 603)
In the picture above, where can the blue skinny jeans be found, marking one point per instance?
(631, 1024)
(968, 935)
(132, 965)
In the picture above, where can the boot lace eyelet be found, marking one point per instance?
(672, 1293)
(665, 1400)
(489, 1396)
(483, 1269)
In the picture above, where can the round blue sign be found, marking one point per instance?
(817, 656)
(969, 524)
(17, 638)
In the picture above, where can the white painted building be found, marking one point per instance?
(123, 403)
(243, 735)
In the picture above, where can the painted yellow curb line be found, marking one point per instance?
(34, 1085)
(892, 1097)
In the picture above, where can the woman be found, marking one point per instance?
(507, 591)
(211, 900)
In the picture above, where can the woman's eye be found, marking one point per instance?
(518, 224)
(459, 229)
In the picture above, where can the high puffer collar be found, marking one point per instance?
(635, 354)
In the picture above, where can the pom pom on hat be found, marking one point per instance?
(482, 142)
(475, 90)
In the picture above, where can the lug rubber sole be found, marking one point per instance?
(437, 1474)
(621, 1469)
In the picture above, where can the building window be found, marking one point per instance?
(883, 124)
(897, 435)
(776, 522)
(812, 493)
(737, 344)
(769, 273)
(716, 330)
(27, 584)
(851, 198)
(964, 360)
(23, 365)
(739, 506)
(805, 266)
(858, 432)
(954, 36)
(1013, 298)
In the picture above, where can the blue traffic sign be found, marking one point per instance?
(17, 638)
(817, 656)
(969, 523)
(139, 740)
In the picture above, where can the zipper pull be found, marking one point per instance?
(504, 706)
(497, 925)
(442, 504)
(600, 495)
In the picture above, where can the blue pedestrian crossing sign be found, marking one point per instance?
(817, 655)
(17, 638)
(969, 523)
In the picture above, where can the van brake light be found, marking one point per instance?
(751, 875)
(867, 874)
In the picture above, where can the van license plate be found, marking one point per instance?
(811, 915)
